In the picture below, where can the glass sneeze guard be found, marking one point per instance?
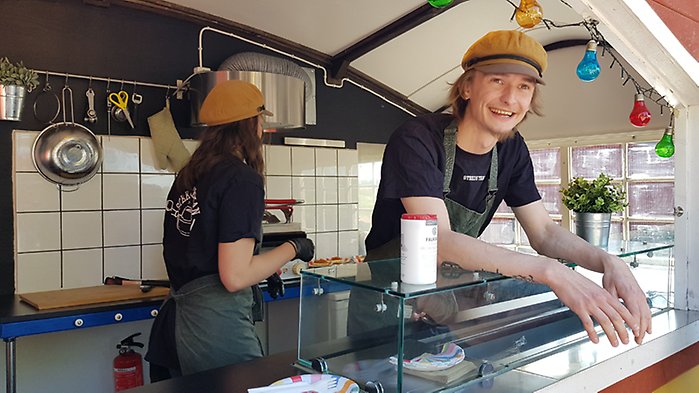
(361, 322)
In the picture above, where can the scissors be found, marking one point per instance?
(121, 100)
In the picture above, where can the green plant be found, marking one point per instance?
(597, 196)
(17, 74)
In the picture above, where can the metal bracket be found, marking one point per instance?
(678, 211)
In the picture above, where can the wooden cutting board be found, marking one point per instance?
(89, 295)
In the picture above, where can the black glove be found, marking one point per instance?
(275, 286)
(304, 248)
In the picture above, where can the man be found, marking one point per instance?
(462, 166)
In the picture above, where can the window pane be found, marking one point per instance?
(651, 232)
(589, 161)
(365, 173)
(651, 200)
(551, 197)
(500, 231)
(546, 164)
(616, 230)
(644, 163)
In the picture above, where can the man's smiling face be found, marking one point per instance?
(498, 102)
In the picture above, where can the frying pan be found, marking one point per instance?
(67, 153)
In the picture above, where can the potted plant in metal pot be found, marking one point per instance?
(593, 203)
(16, 80)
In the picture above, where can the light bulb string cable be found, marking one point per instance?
(595, 34)
(647, 92)
(591, 26)
(516, 7)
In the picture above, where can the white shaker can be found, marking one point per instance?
(418, 248)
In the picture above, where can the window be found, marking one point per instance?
(647, 179)
(369, 175)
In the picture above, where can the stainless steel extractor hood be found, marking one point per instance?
(284, 96)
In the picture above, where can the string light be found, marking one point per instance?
(589, 69)
(640, 115)
(440, 3)
(529, 13)
(591, 25)
(665, 148)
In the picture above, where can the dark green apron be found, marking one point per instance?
(462, 219)
(213, 327)
(361, 318)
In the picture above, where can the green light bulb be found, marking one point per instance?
(665, 148)
(439, 3)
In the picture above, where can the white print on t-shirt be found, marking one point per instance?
(474, 177)
(185, 210)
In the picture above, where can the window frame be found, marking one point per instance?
(565, 146)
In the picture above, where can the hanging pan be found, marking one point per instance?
(67, 154)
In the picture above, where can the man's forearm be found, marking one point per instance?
(560, 243)
(474, 254)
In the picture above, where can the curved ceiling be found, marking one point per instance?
(407, 49)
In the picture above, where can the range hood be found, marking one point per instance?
(284, 96)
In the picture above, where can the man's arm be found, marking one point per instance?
(550, 239)
(582, 296)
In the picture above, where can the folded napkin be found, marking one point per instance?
(449, 356)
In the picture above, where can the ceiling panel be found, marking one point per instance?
(416, 63)
(328, 26)
(434, 95)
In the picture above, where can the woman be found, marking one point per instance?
(213, 222)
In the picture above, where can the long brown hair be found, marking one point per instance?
(458, 102)
(218, 143)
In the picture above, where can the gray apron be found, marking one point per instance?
(462, 219)
(213, 327)
(361, 318)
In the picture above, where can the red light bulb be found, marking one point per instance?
(640, 115)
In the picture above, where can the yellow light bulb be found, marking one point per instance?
(529, 13)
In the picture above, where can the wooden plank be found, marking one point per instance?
(89, 295)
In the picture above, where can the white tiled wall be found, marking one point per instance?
(326, 180)
(111, 225)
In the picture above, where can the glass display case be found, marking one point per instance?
(361, 322)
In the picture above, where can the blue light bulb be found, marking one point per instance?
(588, 69)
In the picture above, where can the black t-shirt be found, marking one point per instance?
(413, 166)
(224, 206)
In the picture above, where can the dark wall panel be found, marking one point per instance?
(126, 45)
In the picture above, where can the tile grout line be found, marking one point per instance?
(140, 207)
(101, 173)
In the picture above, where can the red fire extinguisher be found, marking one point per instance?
(128, 366)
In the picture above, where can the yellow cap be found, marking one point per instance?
(231, 101)
(507, 51)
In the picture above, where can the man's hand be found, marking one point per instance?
(621, 284)
(588, 301)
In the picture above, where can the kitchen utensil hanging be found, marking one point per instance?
(47, 96)
(67, 153)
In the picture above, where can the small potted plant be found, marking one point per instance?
(16, 80)
(593, 203)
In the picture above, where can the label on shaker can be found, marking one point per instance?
(418, 248)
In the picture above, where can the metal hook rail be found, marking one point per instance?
(108, 80)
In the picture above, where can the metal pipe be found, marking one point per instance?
(10, 366)
(201, 67)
